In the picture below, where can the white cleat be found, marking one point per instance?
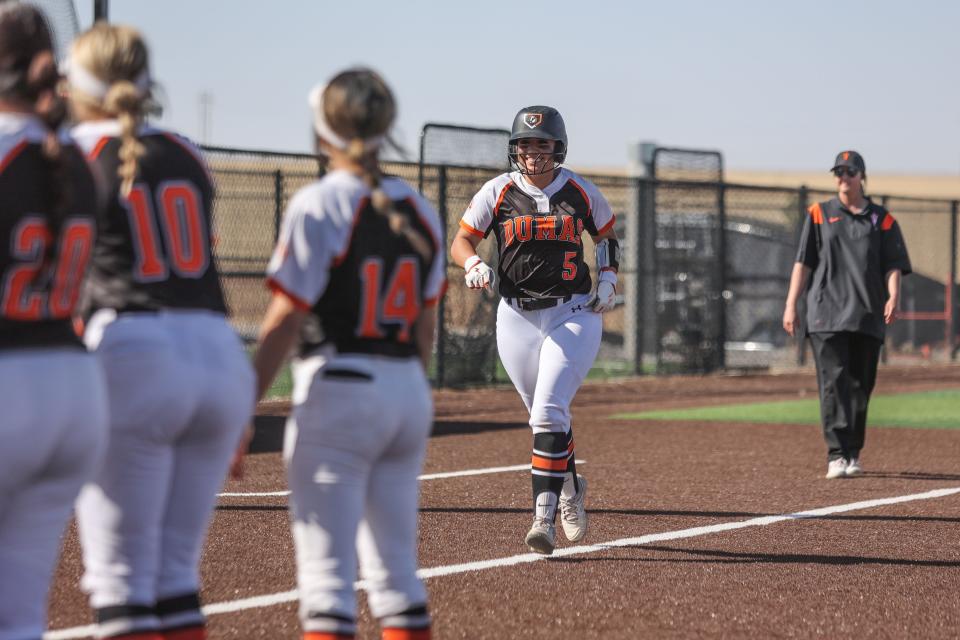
(853, 467)
(542, 536)
(573, 513)
(836, 469)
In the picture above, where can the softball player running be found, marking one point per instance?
(357, 273)
(52, 391)
(548, 323)
(180, 386)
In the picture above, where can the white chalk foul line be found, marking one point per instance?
(482, 565)
(426, 476)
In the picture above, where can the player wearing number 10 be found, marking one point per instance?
(180, 386)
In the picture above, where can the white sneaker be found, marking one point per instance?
(836, 468)
(542, 536)
(573, 513)
(853, 467)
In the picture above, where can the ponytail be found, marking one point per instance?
(127, 102)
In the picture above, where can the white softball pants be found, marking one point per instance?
(181, 391)
(53, 432)
(547, 354)
(354, 448)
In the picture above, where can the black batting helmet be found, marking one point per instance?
(541, 122)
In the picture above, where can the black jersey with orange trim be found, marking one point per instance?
(539, 233)
(850, 255)
(364, 282)
(155, 246)
(45, 248)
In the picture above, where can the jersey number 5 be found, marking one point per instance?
(398, 305)
(184, 231)
(36, 289)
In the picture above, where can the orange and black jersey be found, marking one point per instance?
(850, 255)
(154, 247)
(45, 247)
(364, 284)
(539, 233)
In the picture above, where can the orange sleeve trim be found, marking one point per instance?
(470, 230)
(17, 150)
(503, 193)
(607, 226)
(888, 222)
(432, 302)
(278, 289)
(816, 213)
(585, 198)
(193, 154)
(98, 148)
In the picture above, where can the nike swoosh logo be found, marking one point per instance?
(832, 220)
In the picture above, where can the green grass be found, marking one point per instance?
(922, 410)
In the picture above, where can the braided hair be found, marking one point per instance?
(29, 79)
(117, 56)
(360, 108)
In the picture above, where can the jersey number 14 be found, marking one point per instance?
(398, 304)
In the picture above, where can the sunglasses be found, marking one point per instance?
(845, 171)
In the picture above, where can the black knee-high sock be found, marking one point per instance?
(551, 458)
(571, 475)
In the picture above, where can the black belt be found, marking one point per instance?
(534, 304)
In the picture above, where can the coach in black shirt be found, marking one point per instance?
(855, 251)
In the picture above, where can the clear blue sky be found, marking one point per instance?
(772, 85)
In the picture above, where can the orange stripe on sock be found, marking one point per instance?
(549, 464)
(393, 633)
(191, 633)
(325, 635)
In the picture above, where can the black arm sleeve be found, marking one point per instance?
(808, 249)
(895, 251)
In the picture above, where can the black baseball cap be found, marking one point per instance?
(850, 159)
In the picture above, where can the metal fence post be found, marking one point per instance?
(953, 322)
(633, 241)
(803, 199)
(721, 348)
(277, 203)
(441, 308)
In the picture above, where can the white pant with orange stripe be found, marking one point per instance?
(355, 444)
(547, 354)
(181, 391)
(53, 436)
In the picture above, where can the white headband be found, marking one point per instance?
(89, 84)
(323, 128)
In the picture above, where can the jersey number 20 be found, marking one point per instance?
(29, 293)
(184, 231)
(398, 304)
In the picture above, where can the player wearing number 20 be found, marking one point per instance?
(52, 392)
(180, 386)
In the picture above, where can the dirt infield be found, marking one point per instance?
(686, 542)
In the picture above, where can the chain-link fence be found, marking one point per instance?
(695, 298)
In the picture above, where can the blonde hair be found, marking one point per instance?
(360, 108)
(117, 55)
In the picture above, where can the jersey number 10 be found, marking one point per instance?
(184, 228)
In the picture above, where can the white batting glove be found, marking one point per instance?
(604, 298)
(478, 274)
